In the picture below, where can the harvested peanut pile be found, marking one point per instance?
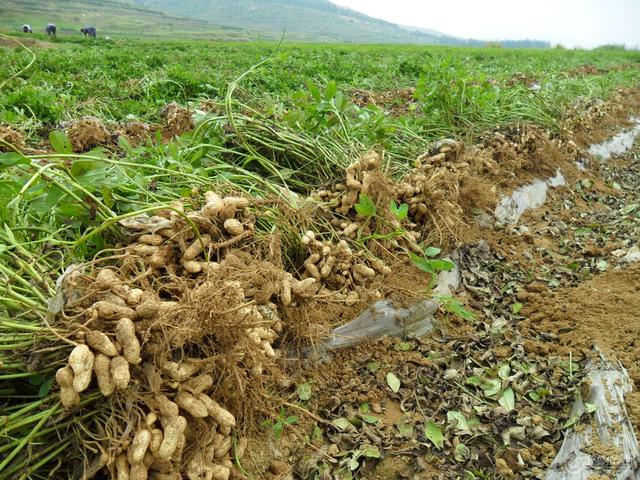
(185, 328)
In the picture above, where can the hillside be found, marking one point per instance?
(303, 20)
(112, 17)
(311, 20)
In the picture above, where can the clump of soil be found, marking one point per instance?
(520, 78)
(177, 119)
(135, 132)
(604, 312)
(587, 69)
(397, 102)
(12, 137)
(87, 133)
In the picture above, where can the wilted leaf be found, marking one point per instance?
(343, 424)
(434, 435)
(393, 382)
(405, 428)
(508, 399)
(371, 452)
(457, 420)
(371, 419)
(373, 366)
(304, 391)
(590, 407)
(504, 371)
(461, 453)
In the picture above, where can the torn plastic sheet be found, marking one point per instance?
(632, 256)
(385, 319)
(616, 145)
(581, 456)
(528, 197)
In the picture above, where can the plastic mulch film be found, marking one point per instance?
(383, 318)
(528, 197)
(606, 447)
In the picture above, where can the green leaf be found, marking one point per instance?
(314, 90)
(508, 399)
(453, 305)
(10, 159)
(292, 420)
(277, 429)
(432, 252)
(60, 142)
(343, 424)
(393, 382)
(365, 206)
(457, 420)
(434, 435)
(400, 212)
(431, 265)
(304, 391)
(371, 452)
(516, 308)
(45, 387)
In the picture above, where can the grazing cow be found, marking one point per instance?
(51, 29)
(89, 31)
(27, 29)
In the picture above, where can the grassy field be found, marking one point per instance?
(273, 125)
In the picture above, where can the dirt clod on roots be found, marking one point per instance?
(12, 137)
(136, 133)
(177, 119)
(87, 133)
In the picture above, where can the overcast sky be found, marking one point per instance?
(583, 23)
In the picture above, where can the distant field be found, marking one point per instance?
(134, 77)
(112, 18)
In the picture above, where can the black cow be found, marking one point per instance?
(89, 31)
(51, 29)
(27, 29)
